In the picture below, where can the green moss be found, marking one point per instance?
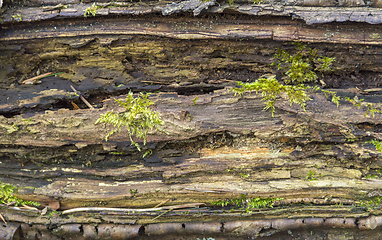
(369, 106)
(330, 94)
(116, 153)
(311, 176)
(7, 195)
(324, 64)
(374, 202)
(299, 67)
(355, 101)
(194, 100)
(370, 176)
(371, 110)
(377, 144)
(138, 118)
(133, 191)
(17, 17)
(12, 128)
(29, 120)
(91, 11)
(247, 204)
(147, 153)
(271, 89)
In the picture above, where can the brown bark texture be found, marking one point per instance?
(317, 167)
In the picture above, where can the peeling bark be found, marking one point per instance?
(219, 146)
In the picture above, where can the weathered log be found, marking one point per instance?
(10, 231)
(315, 166)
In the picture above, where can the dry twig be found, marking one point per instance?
(2, 218)
(160, 204)
(33, 80)
(162, 214)
(82, 98)
(84, 209)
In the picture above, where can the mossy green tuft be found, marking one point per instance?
(138, 118)
(7, 192)
(297, 69)
(271, 89)
(247, 204)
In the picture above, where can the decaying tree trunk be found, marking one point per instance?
(317, 165)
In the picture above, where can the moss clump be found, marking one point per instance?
(138, 118)
(377, 144)
(330, 94)
(311, 176)
(7, 195)
(17, 17)
(372, 203)
(247, 204)
(297, 69)
(371, 110)
(91, 11)
(271, 89)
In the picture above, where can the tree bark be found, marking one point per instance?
(316, 163)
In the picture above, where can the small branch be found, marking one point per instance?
(2, 218)
(204, 190)
(373, 90)
(35, 79)
(160, 204)
(82, 98)
(156, 82)
(28, 207)
(162, 214)
(84, 209)
(75, 107)
(226, 80)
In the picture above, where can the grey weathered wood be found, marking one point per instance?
(218, 145)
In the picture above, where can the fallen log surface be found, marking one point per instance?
(232, 168)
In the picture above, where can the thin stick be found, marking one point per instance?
(373, 90)
(2, 218)
(160, 204)
(82, 98)
(162, 214)
(28, 207)
(84, 209)
(34, 79)
(227, 80)
(75, 107)
(11, 203)
(155, 82)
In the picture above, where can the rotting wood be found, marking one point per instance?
(219, 146)
(318, 13)
(10, 231)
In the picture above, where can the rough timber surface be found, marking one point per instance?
(218, 146)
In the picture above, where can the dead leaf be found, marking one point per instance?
(54, 205)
